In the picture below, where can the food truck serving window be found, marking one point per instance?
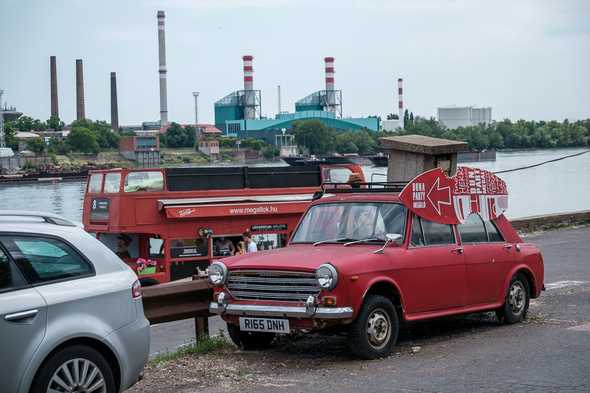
(144, 181)
(95, 183)
(112, 182)
(189, 248)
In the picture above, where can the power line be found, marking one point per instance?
(542, 163)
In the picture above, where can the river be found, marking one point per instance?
(556, 187)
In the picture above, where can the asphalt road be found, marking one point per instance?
(550, 352)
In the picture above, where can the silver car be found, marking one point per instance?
(71, 314)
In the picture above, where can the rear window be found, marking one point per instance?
(95, 183)
(45, 259)
(144, 181)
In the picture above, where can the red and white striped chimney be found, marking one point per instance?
(400, 103)
(329, 61)
(248, 72)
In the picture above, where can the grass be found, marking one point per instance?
(201, 347)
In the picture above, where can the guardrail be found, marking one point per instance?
(178, 300)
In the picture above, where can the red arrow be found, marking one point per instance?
(442, 195)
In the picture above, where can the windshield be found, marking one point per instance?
(344, 222)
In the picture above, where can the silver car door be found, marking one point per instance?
(23, 320)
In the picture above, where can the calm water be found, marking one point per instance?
(552, 188)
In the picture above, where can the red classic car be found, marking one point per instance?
(363, 262)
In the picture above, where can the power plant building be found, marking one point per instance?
(238, 113)
(464, 116)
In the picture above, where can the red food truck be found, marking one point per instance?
(167, 223)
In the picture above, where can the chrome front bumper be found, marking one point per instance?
(281, 311)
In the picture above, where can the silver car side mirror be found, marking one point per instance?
(390, 238)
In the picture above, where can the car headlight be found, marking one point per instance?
(217, 273)
(327, 276)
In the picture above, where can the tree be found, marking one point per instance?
(55, 123)
(25, 124)
(36, 145)
(9, 135)
(83, 140)
(177, 136)
(406, 119)
(314, 135)
(411, 119)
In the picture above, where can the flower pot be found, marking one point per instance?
(147, 270)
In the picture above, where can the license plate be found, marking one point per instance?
(269, 325)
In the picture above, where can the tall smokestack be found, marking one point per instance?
(330, 93)
(162, 70)
(114, 105)
(249, 93)
(400, 101)
(53, 86)
(279, 96)
(80, 110)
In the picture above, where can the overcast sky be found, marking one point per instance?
(525, 58)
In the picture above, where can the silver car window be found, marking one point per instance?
(45, 259)
(10, 279)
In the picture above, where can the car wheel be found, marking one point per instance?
(249, 340)
(75, 369)
(516, 302)
(374, 332)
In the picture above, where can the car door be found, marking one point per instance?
(486, 261)
(23, 320)
(433, 272)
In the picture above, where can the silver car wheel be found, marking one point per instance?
(517, 297)
(77, 376)
(378, 328)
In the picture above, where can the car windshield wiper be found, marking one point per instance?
(369, 239)
(338, 240)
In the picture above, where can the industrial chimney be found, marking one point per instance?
(249, 93)
(53, 86)
(162, 70)
(330, 93)
(80, 110)
(400, 104)
(114, 105)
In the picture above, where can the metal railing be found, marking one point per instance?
(178, 300)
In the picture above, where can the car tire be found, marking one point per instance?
(52, 372)
(374, 332)
(249, 340)
(516, 301)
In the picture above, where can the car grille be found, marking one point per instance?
(272, 285)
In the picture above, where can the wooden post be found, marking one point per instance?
(201, 327)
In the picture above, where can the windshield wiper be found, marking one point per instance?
(369, 239)
(341, 239)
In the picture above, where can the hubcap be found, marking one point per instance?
(378, 328)
(77, 376)
(516, 297)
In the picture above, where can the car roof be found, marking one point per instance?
(373, 196)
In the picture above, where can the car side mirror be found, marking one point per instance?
(390, 239)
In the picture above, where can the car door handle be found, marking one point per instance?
(458, 250)
(19, 316)
(507, 246)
